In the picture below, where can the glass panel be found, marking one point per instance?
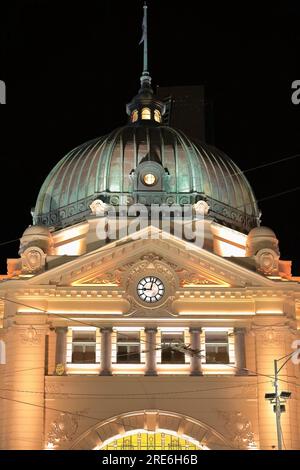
(157, 115)
(129, 336)
(84, 354)
(146, 113)
(84, 347)
(134, 116)
(84, 336)
(128, 354)
(150, 441)
(128, 347)
(216, 345)
(169, 355)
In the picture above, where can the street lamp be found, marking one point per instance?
(277, 398)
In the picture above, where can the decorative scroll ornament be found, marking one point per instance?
(267, 261)
(154, 264)
(33, 260)
(62, 429)
(239, 429)
(99, 208)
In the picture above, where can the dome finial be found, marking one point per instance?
(145, 108)
(145, 78)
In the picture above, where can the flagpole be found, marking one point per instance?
(145, 71)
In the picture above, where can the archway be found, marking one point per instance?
(151, 429)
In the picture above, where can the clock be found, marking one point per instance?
(150, 289)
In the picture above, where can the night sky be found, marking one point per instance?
(70, 68)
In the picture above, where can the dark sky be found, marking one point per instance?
(70, 68)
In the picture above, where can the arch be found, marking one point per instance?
(152, 421)
(2, 352)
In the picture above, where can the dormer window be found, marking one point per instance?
(134, 116)
(157, 115)
(146, 113)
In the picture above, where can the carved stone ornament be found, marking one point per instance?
(33, 260)
(62, 429)
(267, 261)
(270, 337)
(238, 429)
(30, 336)
(110, 278)
(201, 208)
(150, 265)
(99, 208)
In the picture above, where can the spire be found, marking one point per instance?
(145, 77)
(145, 108)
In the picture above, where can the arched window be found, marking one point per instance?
(134, 115)
(2, 352)
(157, 115)
(146, 113)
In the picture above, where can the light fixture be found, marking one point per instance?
(149, 179)
(270, 396)
(285, 395)
(282, 408)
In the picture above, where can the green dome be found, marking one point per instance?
(109, 168)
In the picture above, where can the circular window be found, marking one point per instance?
(149, 179)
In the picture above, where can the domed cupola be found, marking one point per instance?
(146, 162)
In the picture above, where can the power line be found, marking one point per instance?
(142, 341)
(77, 415)
(264, 165)
(9, 241)
(117, 395)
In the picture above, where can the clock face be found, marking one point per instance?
(150, 289)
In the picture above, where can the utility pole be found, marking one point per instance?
(277, 406)
(278, 399)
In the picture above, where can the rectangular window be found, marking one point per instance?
(84, 346)
(216, 347)
(170, 354)
(128, 347)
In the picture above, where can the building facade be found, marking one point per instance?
(120, 329)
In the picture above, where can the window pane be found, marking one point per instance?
(216, 336)
(157, 115)
(84, 347)
(170, 355)
(83, 354)
(129, 337)
(134, 116)
(84, 336)
(216, 344)
(146, 113)
(128, 354)
(128, 347)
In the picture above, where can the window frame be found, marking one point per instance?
(128, 344)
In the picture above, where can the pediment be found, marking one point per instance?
(109, 266)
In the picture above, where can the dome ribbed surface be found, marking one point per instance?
(102, 168)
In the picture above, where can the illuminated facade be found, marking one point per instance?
(143, 338)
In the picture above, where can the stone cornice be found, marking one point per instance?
(222, 293)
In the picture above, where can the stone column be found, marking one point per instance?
(239, 349)
(23, 424)
(151, 351)
(106, 351)
(61, 345)
(195, 366)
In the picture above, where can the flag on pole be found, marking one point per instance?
(144, 25)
